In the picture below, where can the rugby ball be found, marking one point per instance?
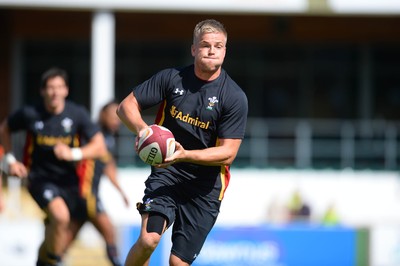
(155, 144)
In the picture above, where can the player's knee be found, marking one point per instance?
(58, 212)
(60, 219)
(149, 242)
(155, 224)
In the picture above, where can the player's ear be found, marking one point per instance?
(193, 50)
(42, 91)
(65, 91)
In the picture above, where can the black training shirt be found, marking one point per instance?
(44, 130)
(197, 112)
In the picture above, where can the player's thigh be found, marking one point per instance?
(44, 192)
(190, 230)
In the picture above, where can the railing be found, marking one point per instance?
(294, 143)
(324, 143)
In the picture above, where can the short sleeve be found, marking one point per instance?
(233, 121)
(20, 119)
(153, 91)
(86, 126)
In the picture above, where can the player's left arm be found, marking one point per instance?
(224, 154)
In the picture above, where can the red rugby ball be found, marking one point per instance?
(156, 144)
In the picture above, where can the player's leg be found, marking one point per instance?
(192, 225)
(49, 199)
(152, 228)
(103, 224)
(56, 233)
(73, 230)
(157, 213)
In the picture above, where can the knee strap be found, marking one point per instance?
(155, 223)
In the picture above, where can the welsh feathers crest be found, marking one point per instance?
(211, 102)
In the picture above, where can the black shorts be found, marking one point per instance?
(80, 208)
(191, 208)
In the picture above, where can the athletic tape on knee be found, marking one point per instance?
(155, 223)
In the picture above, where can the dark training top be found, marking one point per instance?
(198, 113)
(44, 130)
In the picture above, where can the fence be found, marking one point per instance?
(296, 143)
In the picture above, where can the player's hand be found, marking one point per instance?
(63, 152)
(17, 169)
(125, 198)
(177, 156)
(138, 137)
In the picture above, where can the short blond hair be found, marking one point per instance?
(208, 26)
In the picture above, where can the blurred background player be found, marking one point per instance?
(55, 130)
(109, 124)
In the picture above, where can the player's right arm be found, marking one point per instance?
(13, 167)
(129, 113)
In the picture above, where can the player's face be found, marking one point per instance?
(54, 94)
(209, 53)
